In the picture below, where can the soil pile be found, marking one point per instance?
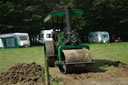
(23, 74)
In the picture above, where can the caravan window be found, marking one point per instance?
(105, 36)
(49, 35)
(10, 42)
(23, 37)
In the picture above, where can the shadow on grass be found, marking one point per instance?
(100, 64)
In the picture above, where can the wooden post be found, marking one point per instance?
(47, 81)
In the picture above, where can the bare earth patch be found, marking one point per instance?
(23, 74)
(118, 77)
(33, 74)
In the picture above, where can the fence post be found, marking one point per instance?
(47, 81)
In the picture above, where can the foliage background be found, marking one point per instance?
(99, 15)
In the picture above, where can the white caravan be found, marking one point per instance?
(45, 35)
(99, 37)
(22, 39)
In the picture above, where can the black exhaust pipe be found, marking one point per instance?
(68, 23)
(68, 18)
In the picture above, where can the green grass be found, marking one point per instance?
(107, 53)
(9, 57)
(56, 83)
(111, 51)
(100, 52)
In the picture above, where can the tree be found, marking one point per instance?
(99, 15)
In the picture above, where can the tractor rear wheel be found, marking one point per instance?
(49, 53)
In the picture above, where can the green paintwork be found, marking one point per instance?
(70, 47)
(61, 13)
(60, 40)
(54, 42)
(62, 46)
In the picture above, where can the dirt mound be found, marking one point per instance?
(23, 74)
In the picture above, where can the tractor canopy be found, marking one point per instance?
(59, 16)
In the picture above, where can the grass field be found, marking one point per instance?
(9, 57)
(100, 52)
(110, 52)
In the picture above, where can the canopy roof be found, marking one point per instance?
(61, 14)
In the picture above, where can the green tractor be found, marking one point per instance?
(66, 50)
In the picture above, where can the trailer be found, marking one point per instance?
(45, 35)
(15, 40)
(99, 37)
